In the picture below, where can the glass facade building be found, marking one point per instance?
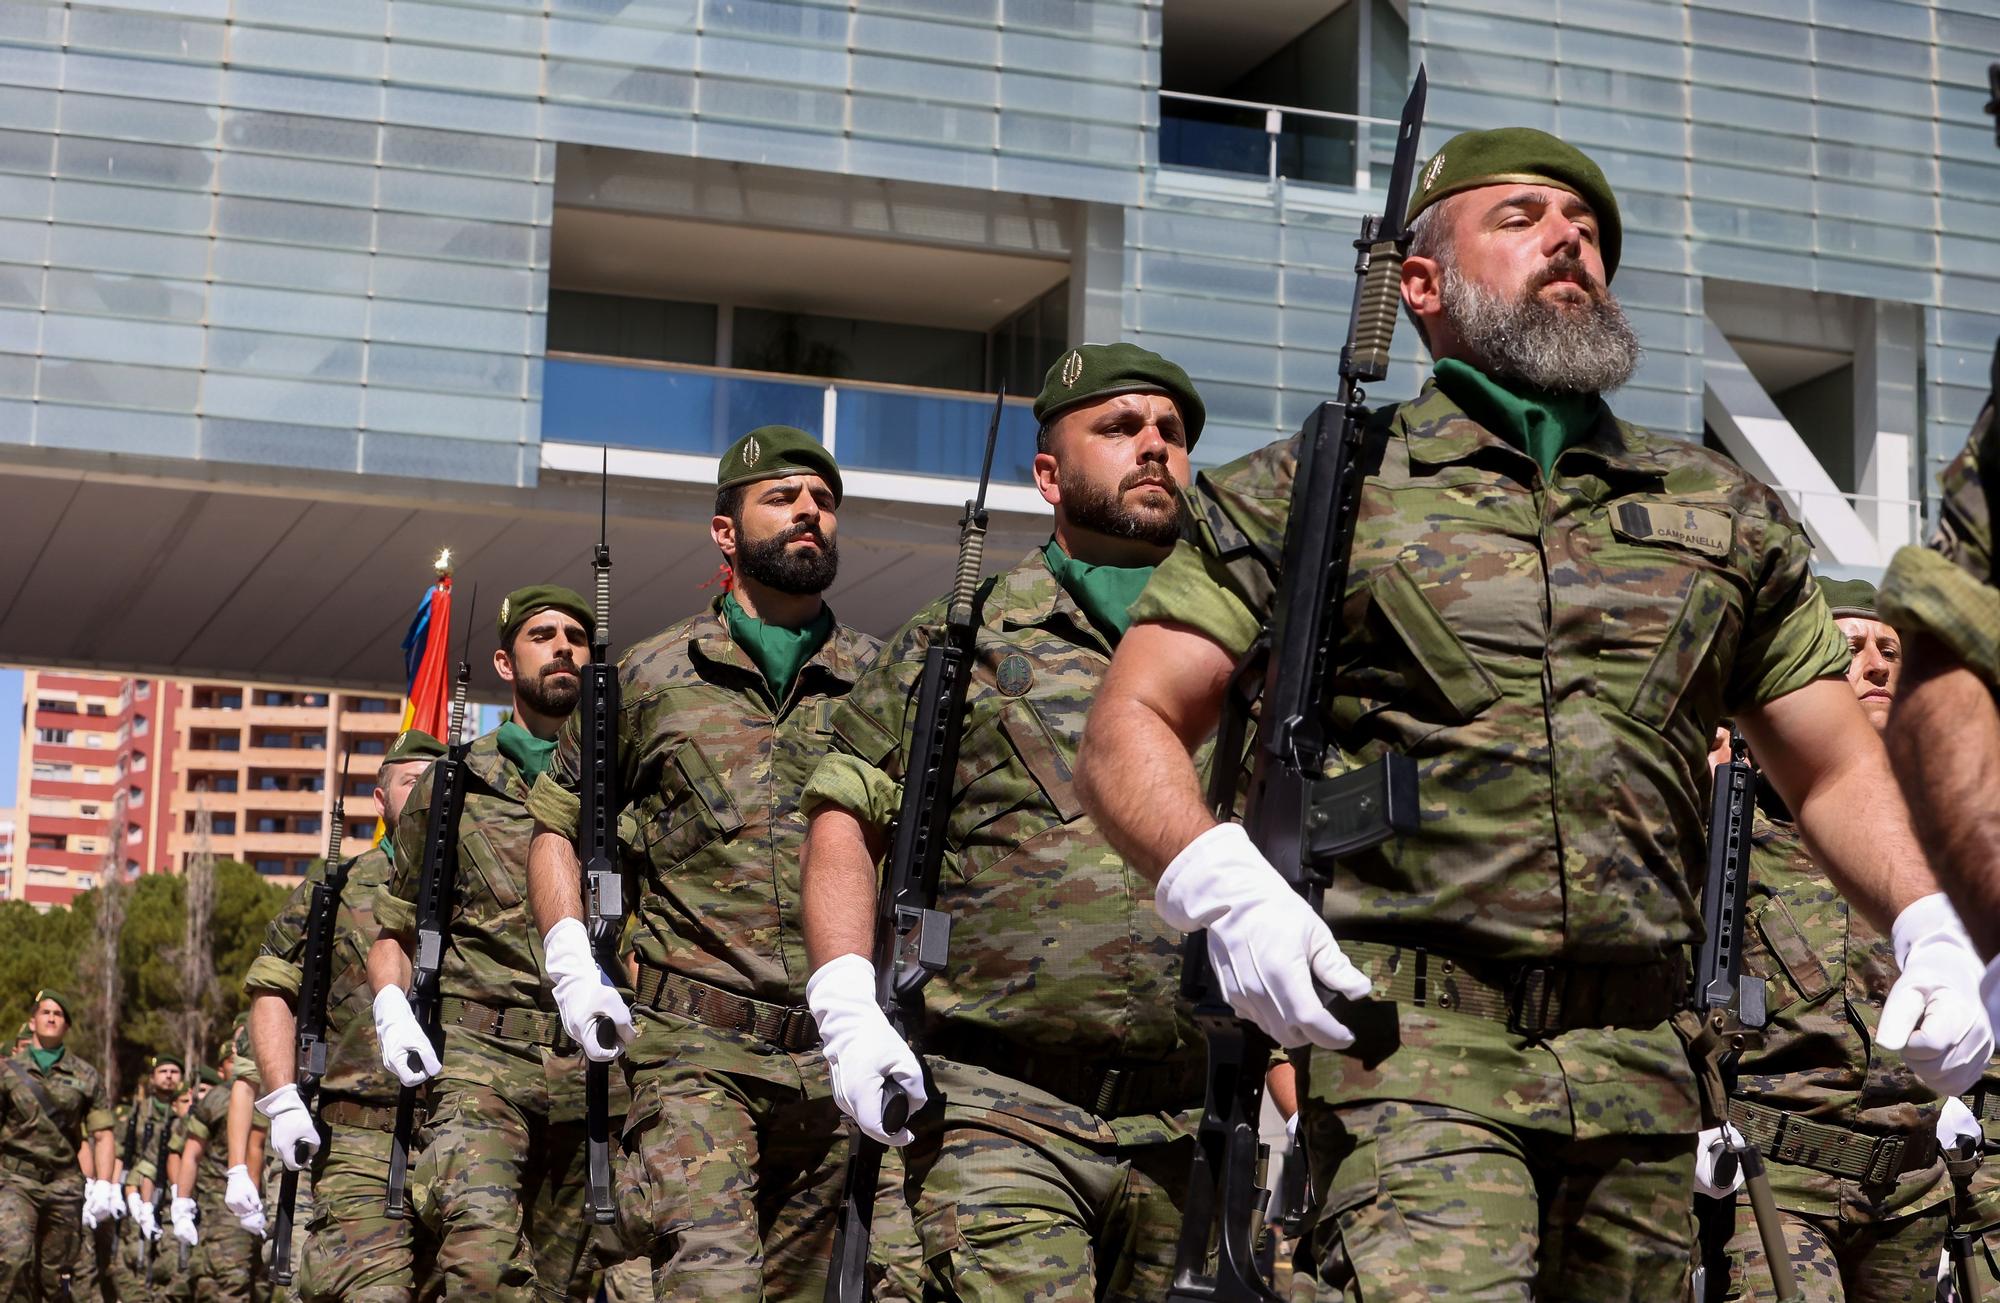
(419, 239)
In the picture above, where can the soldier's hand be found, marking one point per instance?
(294, 1134)
(585, 996)
(253, 1221)
(100, 1203)
(1709, 1147)
(242, 1197)
(1934, 1015)
(406, 1050)
(1273, 954)
(137, 1207)
(1957, 1124)
(862, 1049)
(149, 1225)
(181, 1214)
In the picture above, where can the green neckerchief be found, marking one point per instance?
(46, 1059)
(1105, 593)
(780, 652)
(1539, 423)
(529, 753)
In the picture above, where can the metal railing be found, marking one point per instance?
(1879, 514)
(1212, 133)
(701, 410)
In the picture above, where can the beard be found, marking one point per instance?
(770, 561)
(552, 693)
(1091, 506)
(1557, 349)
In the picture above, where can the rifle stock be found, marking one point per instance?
(913, 936)
(437, 886)
(1301, 821)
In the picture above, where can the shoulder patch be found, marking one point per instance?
(1699, 529)
(1015, 676)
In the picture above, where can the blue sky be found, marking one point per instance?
(10, 732)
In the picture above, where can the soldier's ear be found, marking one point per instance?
(723, 530)
(503, 664)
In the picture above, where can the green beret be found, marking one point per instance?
(50, 993)
(209, 1076)
(517, 606)
(1091, 371)
(771, 452)
(413, 744)
(1848, 597)
(1521, 155)
(163, 1060)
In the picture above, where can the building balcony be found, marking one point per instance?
(280, 843)
(700, 410)
(371, 725)
(291, 759)
(1242, 138)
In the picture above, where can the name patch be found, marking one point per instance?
(1698, 529)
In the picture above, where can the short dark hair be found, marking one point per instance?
(1042, 433)
(1430, 237)
(729, 502)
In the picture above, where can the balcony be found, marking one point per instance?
(698, 410)
(1213, 133)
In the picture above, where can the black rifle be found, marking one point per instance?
(315, 977)
(1961, 1240)
(597, 830)
(437, 886)
(1303, 823)
(161, 1218)
(1726, 1011)
(912, 935)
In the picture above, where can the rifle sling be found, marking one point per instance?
(36, 1089)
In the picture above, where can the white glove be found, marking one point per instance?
(136, 1206)
(583, 993)
(292, 1127)
(253, 1221)
(114, 1206)
(862, 1050)
(401, 1036)
(1955, 1123)
(242, 1196)
(181, 1214)
(1934, 1014)
(1271, 952)
(100, 1203)
(149, 1226)
(1708, 1147)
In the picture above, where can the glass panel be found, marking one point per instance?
(638, 87)
(119, 386)
(102, 249)
(931, 434)
(451, 237)
(123, 119)
(442, 368)
(107, 339)
(1214, 138)
(257, 352)
(668, 410)
(291, 401)
(423, 323)
(460, 415)
(125, 296)
(294, 135)
(332, 271)
(269, 177)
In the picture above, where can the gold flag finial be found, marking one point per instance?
(443, 563)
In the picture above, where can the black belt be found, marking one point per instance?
(530, 1026)
(1531, 1000)
(44, 1172)
(1837, 1151)
(790, 1027)
(1104, 1087)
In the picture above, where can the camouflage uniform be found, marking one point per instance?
(139, 1135)
(161, 1273)
(226, 1265)
(41, 1185)
(734, 1152)
(1849, 1133)
(504, 1153)
(353, 1250)
(1951, 590)
(1553, 653)
(1066, 1068)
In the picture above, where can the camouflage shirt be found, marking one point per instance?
(710, 769)
(1826, 973)
(354, 1061)
(1055, 944)
(1553, 652)
(208, 1122)
(30, 1132)
(1951, 591)
(493, 953)
(140, 1131)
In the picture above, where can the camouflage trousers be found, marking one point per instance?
(352, 1249)
(731, 1167)
(227, 1265)
(503, 1170)
(1891, 1261)
(96, 1260)
(41, 1224)
(160, 1276)
(1018, 1195)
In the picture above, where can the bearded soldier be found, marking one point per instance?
(56, 1156)
(146, 1124)
(732, 1158)
(1548, 612)
(1053, 1161)
(352, 1250)
(504, 1162)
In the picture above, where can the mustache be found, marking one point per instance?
(1159, 475)
(797, 532)
(1570, 268)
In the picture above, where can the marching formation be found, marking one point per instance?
(1488, 781)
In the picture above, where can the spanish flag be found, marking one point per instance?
(427, 704)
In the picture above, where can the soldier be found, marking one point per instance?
(732, 1158)
(224, 1264)
(146, 1123)
(1848, 1132)
(504, 1160)
(1054, 1162)
(353, 1250)
(1548, 611)
(56, 1156)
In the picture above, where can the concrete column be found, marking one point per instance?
(1097, 275)
(1887, 339)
